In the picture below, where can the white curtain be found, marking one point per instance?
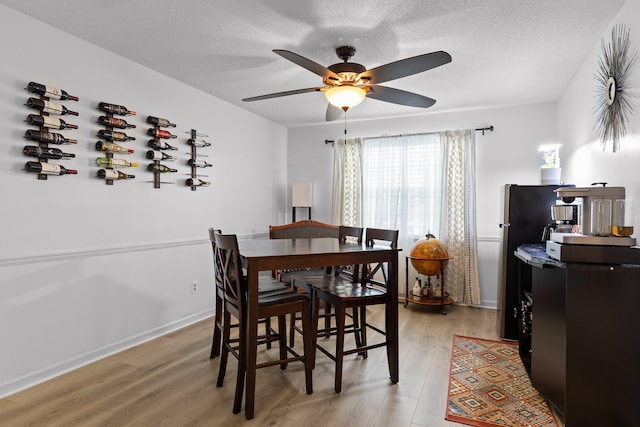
(402, 185)
(347, 182)
(416, 184)
(458, 218)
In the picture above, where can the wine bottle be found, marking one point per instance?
(159, 155)
(111, 147)
(196, 182)
(159, 133)
(153, 167)
(199, 163)
(45, 152)
(49, 91)
(115, 109)
(49, 122)
(49, 107)
(106, 162)
(51, 138)
(158, 144)
(115, 122)
(113, 174)
(198, 143)
(48, 168)
(158, 121)
(116, 136)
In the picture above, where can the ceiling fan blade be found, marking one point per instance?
(308, 64)
(333, 112)
(406, 67)
(397, 96)
(286, 93)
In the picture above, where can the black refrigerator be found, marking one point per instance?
(527, 210)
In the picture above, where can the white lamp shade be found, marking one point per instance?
(345, 97)
(301, 194)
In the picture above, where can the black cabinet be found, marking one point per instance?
(549, 331)
(585, 356)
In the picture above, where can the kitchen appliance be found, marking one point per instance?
(565, 217)
(527, 212)
(594, 243)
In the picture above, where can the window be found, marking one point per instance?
(415, 184)
(402, 184)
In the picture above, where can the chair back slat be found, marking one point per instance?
(349, 234)
(217, 271)
(228, 260)
(305, 229)
(382, 237)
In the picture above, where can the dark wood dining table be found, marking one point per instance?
(279, 254)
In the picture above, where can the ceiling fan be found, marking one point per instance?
(346, 83)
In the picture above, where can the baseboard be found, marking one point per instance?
(50, 372)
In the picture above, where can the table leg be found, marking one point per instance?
(251, 340)
(391, 320)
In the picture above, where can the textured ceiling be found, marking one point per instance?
(505, 52)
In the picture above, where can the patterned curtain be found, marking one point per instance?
(458, 217)
(347, 182)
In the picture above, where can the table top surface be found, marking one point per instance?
(298, 247)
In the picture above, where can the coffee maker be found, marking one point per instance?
(565, 220)
(591, 239)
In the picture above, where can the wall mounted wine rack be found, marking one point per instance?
(112, 138)
(43, 152)
(158, 147)
(194, 182)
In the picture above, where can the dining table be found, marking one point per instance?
(278, 254)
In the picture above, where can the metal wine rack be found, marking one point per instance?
(109, 154)
(194, 158)
(43, 128)
(164, 134)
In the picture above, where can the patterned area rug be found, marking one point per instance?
(488, 386)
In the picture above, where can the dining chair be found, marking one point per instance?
(305, 229)
(267, 285)
(357, 292)
(235, 288)
(345, 233)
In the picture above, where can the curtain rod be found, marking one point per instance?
(487, 129)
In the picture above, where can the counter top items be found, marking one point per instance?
(595, 239)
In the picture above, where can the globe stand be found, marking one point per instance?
(442, 301)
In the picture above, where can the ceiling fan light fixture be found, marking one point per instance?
(345, 97)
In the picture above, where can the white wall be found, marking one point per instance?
(587, 162)
(508, 155)
(87, 269)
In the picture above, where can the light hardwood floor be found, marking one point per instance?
(170, 381)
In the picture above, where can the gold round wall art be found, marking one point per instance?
(613, 95)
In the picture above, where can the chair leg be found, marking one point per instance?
(292, 325)
(242, 369)
(363, 329)
(340, 321)
(268, 330)
(282, 337)
(292, 330)
(226, 333)
(327, 320)
(308, 350)
(217, 324)
(357, 327)
(315, 306)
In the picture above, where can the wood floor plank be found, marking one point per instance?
(170, 381)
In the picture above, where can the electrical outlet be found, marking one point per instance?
(194, 287)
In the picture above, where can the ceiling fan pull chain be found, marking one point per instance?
(345, 124)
